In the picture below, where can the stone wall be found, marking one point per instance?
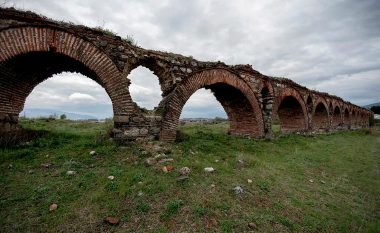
(33, 48)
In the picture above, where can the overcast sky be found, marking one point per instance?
(326, 45)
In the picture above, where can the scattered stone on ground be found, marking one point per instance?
(216, 160)
(252, 225)
(185, 171)
(240, 163)
(71, 173)
(30, 171)
(238, 190)
(311, 181)
(112, 220)
(53, 207)
(160, 156)
(111, 177)
(209, 169)
(10, 166)
(150, 161)
(182, 178)
(323, 182)
(192, 152)
(167, 168)
(249, 181)
(92, 152)
(140, 193)
(165, 160)
(46, 165)
(140, 182)
(212, 185)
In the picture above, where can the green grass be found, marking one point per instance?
(324, 183)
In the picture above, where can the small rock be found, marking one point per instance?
(46, 165)
(252, 225)
(103, 43)
(209, 169)
(185, 171)
(53, 207)
(311, 181)
(240, 164)
(111, 177)
(112, 220)
(92, 152)
(160, 156)
(140, 193)
(323, 182)
(10, 166)
(140, 182)
(238, 190)
(216, 160)
(167, 168)
(71, 173)
(249, 181)
(213, 186)
(150, 161)
(166, 160)
(182, 178)
(30, 171)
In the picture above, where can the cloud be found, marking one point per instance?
(331, 46)
(79, 97)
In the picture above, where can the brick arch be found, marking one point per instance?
(320, 114)
(291, 111)
(57, 44)
(236, 97)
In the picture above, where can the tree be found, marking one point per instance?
(63, 117)
(375, 109)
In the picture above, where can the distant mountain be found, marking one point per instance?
(39, 112)
(371, 105)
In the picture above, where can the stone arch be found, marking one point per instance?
(241, 105)
(320, 119)
(30, 47)
(153, 65)
(336, 116)
(291, 111)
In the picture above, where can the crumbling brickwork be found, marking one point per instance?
(33, 48)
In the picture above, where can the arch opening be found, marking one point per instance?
(336, 119)
(145, 88)
(235, 96)
(22, 73)
(291, 115)
(320, 118)
(346, 118)
(71, 94)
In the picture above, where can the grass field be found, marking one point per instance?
(324, 183)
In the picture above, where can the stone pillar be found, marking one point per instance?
(8, 123)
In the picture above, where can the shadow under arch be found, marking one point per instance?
(236, 97)
(291, 111)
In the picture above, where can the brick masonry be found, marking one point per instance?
(33, 48)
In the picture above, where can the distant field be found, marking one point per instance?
(324, 183)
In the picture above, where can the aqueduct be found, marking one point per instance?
(33, 48)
